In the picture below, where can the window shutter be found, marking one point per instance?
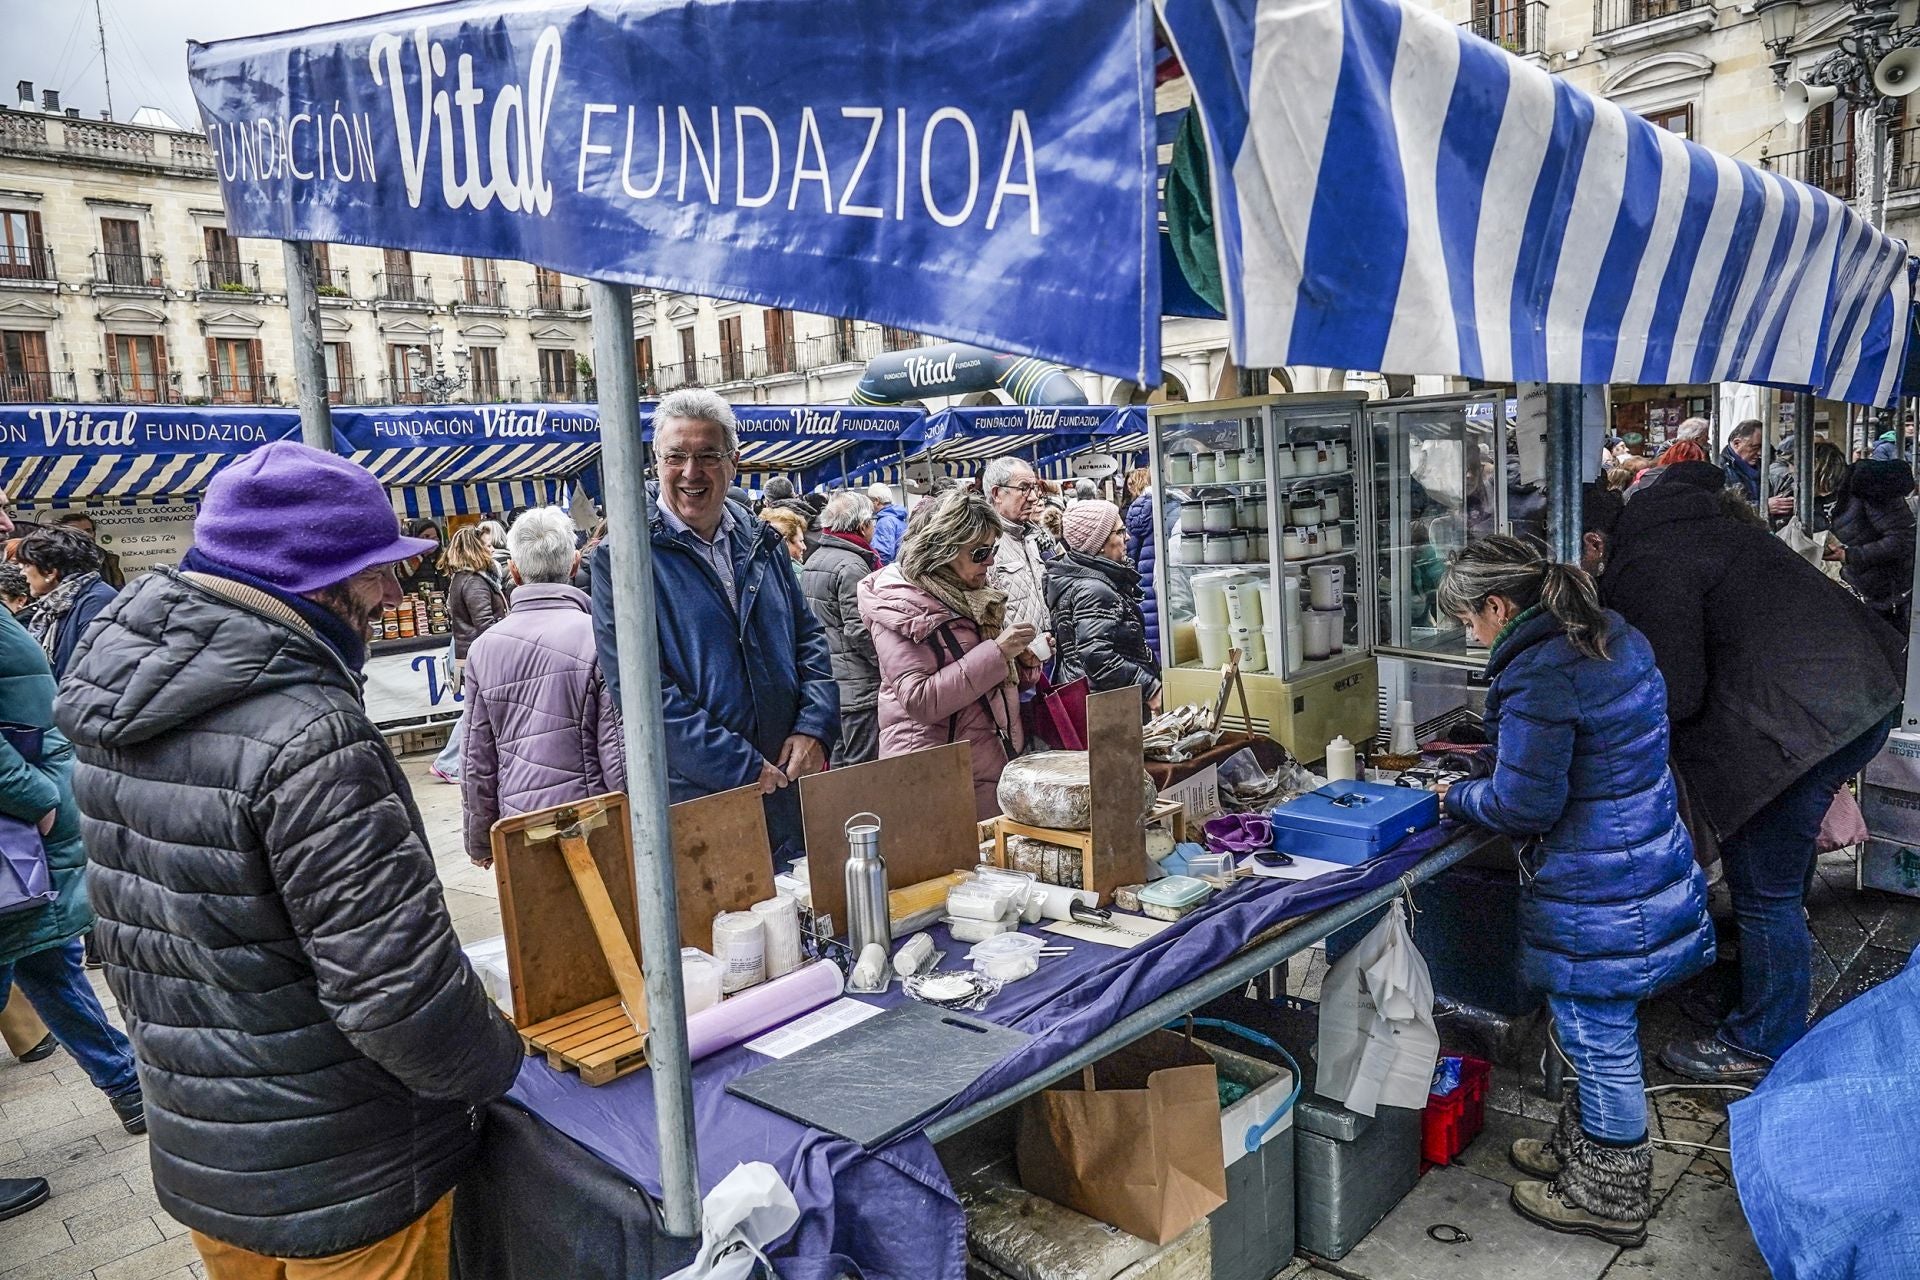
(215, 384)
(160, 392)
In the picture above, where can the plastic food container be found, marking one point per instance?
(1174, 897)
(1193, 517)
(1252, 643)
(978, 930)
(1210, 604)
(1180, 469)
(1213, 644)
(981, 900)
(1216, 865)
(1203, 468)
(1007, 956)
(1220, 515)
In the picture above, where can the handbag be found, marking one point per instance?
(25, 882)
(1843, 826)
(1058, 714)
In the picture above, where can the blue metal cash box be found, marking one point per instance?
(1350, 822)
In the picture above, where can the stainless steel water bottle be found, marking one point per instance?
(867, 919)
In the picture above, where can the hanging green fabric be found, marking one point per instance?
(1189, 205)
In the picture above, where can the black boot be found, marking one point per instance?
(17, 1195)
(1602, 1191)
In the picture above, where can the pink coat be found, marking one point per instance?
(928, 700)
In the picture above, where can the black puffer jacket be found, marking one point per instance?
(1873, 522)
(1098, 629)
(312, 1043)
(1770, 666)
(832, 570)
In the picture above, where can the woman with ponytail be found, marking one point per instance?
(1614, 908)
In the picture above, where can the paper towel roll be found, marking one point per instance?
(767, 1006)
(1058, 901)
(781, 916)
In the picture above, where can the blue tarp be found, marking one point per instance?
(1823, 1151)
(890, 1214)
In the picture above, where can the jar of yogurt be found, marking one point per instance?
(1304, 509)
(1293, 543)
(1219, 515)
(1338, 456)
(1179, 470)
(1218, 548)
(1193, 516)
(1203, 468)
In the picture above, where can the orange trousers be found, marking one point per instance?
(417, 1251)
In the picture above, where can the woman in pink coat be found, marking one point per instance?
(951, 669)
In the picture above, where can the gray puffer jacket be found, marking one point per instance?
(828, 578)
(312, 1044)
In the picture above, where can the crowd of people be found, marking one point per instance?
(221, 817)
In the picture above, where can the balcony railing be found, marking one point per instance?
(125, 271)
(482, 293)
(391, 286)
(228, 275)
(1518, 27)
(243, 388)
(334, 282)
(138, 388)
(400, 391)
(38, 388)
(33, 266)
(565, 298)
(351, 390)
(104, 142)
(1830, 168)
(1614, 15)
(671, 375)
(562, 392)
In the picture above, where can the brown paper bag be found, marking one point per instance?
(1134, 1141)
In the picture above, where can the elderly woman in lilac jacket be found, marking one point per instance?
(542, 728)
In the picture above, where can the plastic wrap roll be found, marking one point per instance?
(1058, 902)
(781, 916)
(767, 1006)
(740, 945)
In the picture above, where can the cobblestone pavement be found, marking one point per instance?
(103, 1221)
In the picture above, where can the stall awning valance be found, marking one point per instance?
(423, 501)
(1390, 192)
(97, 452)
(414, 445)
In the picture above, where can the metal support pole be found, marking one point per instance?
(1575, 416)
(309, 349)
(1806, 496)
(623, 474)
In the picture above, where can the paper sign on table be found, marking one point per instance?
(1126, 931)
(828, 1020)
(1301, 868)
(1200, 793)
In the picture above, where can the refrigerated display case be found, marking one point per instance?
(1265, 528)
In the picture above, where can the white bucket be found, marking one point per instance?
(1252, 644)
(1213, 644)
(1243, 601)
(1210, 596)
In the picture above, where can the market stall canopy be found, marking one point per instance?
(65, 453)
(803, 438)
(467, 459)
(972, 433)
(1477, 216)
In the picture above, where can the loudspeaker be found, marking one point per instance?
(1802, 98)
(1898, 73)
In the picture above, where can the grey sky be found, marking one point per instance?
(57, 47)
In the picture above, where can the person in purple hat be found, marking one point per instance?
(313, 1046)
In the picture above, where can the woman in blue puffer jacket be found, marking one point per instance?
(1140, 551)
(1615, 908)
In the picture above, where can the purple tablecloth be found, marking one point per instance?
(890, 1214)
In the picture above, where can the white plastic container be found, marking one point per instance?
(1243, 600)
(1339, 456)
(1203, 469)
(1290, 602)
(1253, 466)
(1323, 460)
(1306, 460)
(1218, 548)
(1262, 547)
(1330, 502)
(1283, 463)
(1193, 517)
(1325, 586)
(1180, 469)
(1318, 630)
(1187, 549)
(1271, 634)
(1246, 512)
(1239, 546)
(1252, 644)
(1220, 513)
(1210, 596)
(1293, 544)
(1213, 644)
(1332, 538)
(1304, 510)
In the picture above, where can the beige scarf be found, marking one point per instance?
(986, 607)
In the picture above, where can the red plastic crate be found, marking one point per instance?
(1450, 1123)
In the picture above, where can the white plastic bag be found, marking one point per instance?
(1378, 1044)
(750, 1210)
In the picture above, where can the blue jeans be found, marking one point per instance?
(1769, 862)
(1601, 1039)
(57, 984)
(448, 761)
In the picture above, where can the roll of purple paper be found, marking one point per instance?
(762, 1008)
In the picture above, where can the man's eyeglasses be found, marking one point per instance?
(980, 555)
(706, 460)
(1029, 488)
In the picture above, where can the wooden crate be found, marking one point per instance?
(995, 831)
(597, 1040)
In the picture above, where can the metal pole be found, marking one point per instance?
(309, 350)
(623, 475)
(1806, 496)
(1570, 455)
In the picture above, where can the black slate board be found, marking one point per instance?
(872, 1081)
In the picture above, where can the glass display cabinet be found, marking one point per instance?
(1445, 471)
(1265, 528)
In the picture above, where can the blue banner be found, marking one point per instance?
(1026, 420)
(814, 422)
(454, 425)
(97, 431)
(986, 174)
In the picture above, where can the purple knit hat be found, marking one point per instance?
(300, 518)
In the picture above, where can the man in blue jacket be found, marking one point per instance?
(889, 522)
(746, 679)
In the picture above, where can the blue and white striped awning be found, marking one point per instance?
(76, 476)
(422, 501)
(1394, 194)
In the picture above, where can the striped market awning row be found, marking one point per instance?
(64, 477)
(423, 465)
(1396, 194)
(418, 502)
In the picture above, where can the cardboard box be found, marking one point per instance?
(1898, 764)
(1891, 814)
(1889, 865)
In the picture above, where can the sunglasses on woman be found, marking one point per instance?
(982, 554)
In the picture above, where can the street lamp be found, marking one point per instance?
(1877, 64)
(437, 386)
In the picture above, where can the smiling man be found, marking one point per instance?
(746, 679)
(312, 1044)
